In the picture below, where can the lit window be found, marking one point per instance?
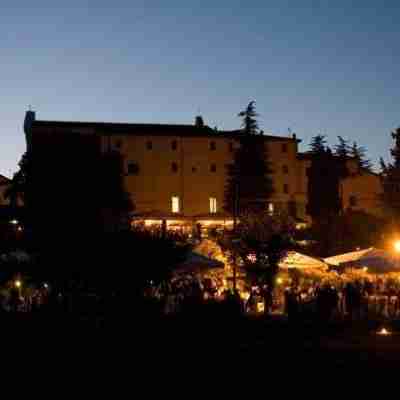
(286, 188)
(149, 145)
(175, 204)
(213, 168)
(270, 208)
(174, 145)
(213, 146)
(285, 169)
(213, 205)
(284, 148)
(174, 167)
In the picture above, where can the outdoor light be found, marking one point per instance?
(14, 222)
(397, 245)
(279, 281)
(46, 285)
(384, 332)
(260, 306)
(365, 269)
(17, 284)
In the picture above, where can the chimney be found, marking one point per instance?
(199, 123)
(29, 119)
(294, 136)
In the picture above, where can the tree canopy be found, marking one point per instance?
(249, 185)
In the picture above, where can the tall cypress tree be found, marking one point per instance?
(359, 153)
(324, 197)
(342, 149)
(391, 179)
(249, 185)
(318, 144)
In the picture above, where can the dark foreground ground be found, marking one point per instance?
(179, 345)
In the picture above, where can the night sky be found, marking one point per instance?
(312, 66)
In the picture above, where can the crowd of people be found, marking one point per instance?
(359, 299)
(354, 299)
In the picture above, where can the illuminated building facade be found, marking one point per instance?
(177, 173)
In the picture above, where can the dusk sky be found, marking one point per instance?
(312, 66)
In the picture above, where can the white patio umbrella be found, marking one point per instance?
(300, 261)
(375, 260)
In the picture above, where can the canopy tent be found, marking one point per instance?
(301, 262)
(346, 257)
(375, 260)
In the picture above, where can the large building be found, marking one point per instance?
(177, 173)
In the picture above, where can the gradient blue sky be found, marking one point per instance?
(313, 66)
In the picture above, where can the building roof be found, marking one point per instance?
(117, 128)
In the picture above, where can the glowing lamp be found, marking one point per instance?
(17, 284)
(279, 281)
(260, 307)
(397, 246)
(14, 222)
(384, 332)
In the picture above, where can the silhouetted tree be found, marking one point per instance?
(116, 203)
(342, 149)
(359, 153)
(249, 185)
(318, 144)
(249, 117)
(324, 197)
(391, 179)
(260, 242)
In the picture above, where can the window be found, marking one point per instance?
(213, 168)
(118, 144)
(174, 167)
(213, 205)
(149, 145)
(284, 148)
(353, 201)
(230, 147)
(285, 169)
(194, 169)
(286, 188)
(270, 208)
(175, 204)
(174, 145)
(132, 168)
(213, 146)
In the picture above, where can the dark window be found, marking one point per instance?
(132, 168)
(230, 147)
(284, 148)
(149, 145)
(174, 145)
(285, 169)
(174, 167)
(353, 201)
(194, 169)
(213, 168)
(212, 146)
(286, 188)
(118, 144)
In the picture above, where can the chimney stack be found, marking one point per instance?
(199, 123)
